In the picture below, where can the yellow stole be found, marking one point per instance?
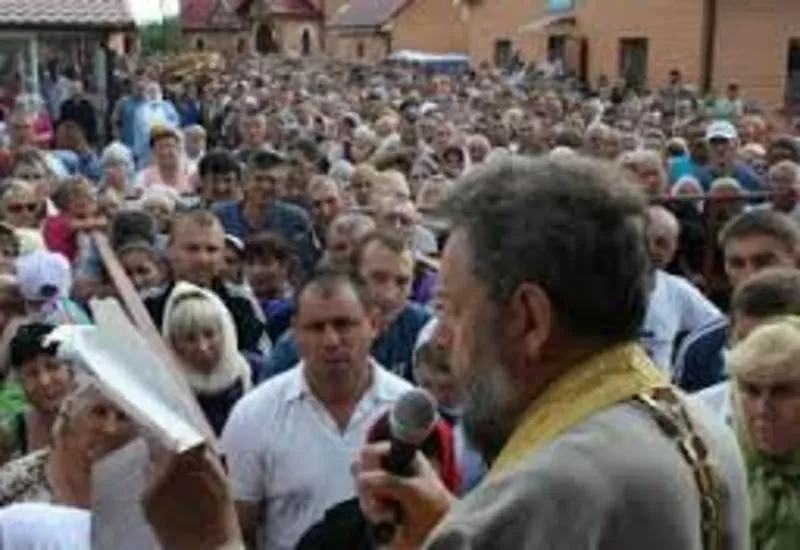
(606, 379)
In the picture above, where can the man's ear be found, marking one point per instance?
(529, 313)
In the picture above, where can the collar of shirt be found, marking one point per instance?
(299, 388)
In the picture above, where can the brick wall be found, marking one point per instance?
(673, 29)
(492, 20)
(344, 45)
(435, 26)
(214, 41)
(290, 31)
(752, 46)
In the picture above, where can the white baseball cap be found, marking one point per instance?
(43, 275)
(721, 129)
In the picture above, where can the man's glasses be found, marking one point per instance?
(20, 207)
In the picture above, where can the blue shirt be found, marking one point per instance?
(190, 113)
(128, 119)
(89, 166)
(148, 115)
(289, 221)
(394, 348)
(279, 316)
(679, 167)
(747, 178)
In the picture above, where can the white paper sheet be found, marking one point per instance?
(118, 358)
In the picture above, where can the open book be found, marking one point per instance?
(136, 376)
(126, 369)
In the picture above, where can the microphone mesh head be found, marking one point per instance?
(413, 417)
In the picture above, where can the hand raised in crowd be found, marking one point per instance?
(188, 503)
(423, 499)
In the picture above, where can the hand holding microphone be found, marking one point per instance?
(400, 491)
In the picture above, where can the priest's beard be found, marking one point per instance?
(489, 399)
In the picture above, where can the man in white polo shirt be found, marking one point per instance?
(290, 442)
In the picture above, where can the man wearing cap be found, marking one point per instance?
(722, 139)
(260, 210)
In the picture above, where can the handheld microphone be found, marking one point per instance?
(411, 421)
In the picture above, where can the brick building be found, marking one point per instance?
(265, 26)
(369, 30)
(713, 42)
(213, 25)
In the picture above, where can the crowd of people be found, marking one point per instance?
(551, 261)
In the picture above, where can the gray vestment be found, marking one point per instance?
(614, 482)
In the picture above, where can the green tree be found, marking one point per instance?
(160, 36)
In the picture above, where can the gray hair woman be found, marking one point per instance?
(200, 330)
(88, 427)
(765, 368)
(118, 168)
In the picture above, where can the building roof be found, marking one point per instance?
(368, 13)
(99, 14)
(199, 15)
(302, 8)
(297, 8)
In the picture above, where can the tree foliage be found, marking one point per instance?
(161, 36)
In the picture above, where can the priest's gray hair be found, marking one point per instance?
(573, 226)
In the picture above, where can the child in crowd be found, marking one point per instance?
(77, 216)
(45, 281)
(143, 264)
(268, 262)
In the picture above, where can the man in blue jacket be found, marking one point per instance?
(260, 210)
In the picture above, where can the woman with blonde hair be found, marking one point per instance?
(87, 428)
(201, 332)
(765, 368)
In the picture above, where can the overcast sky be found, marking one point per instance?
(151, 10)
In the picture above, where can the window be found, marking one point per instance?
(556, 47)
(503, 52)
(793, 76)
(560, 5)
(305, 40)
(360, 49)
(200, 45)
(633, 61)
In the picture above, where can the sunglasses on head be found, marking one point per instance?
(17, 208)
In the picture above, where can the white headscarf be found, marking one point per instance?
(232, 364)
(39, 526)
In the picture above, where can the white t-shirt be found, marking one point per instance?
(284, 449)
(39, 526)
(676, 306)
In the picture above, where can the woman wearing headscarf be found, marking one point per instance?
(87, 428)
(766, 399)
(200, 330)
